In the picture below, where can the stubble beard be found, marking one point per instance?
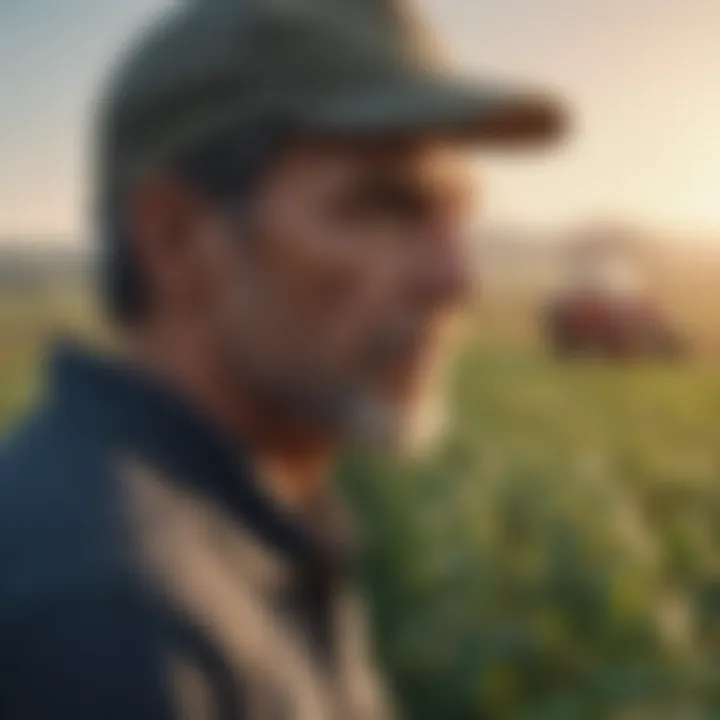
(397, 429)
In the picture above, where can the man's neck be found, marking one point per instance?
(291, 465)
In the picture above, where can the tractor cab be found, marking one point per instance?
(604, 305)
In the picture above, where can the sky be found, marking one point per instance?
(642, 78)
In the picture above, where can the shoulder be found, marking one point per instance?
(78, 638)
(59, 521)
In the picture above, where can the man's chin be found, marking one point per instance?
(404, 429)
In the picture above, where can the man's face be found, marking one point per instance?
(329, 292)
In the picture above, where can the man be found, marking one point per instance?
(282, 209)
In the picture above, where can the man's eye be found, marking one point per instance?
(405, 204)
(390, 203)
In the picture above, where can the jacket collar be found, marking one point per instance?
(143, 417)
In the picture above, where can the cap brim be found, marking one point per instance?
(456, 110)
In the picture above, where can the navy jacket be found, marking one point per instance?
(145, 575)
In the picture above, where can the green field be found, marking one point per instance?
(558, 556)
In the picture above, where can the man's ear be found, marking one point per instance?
(163, 214)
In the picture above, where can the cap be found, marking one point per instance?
(224, 68)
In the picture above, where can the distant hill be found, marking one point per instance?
(505, 256)
(28, 264)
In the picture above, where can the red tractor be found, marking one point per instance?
(605, 309)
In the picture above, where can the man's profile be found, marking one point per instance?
(281, 209)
